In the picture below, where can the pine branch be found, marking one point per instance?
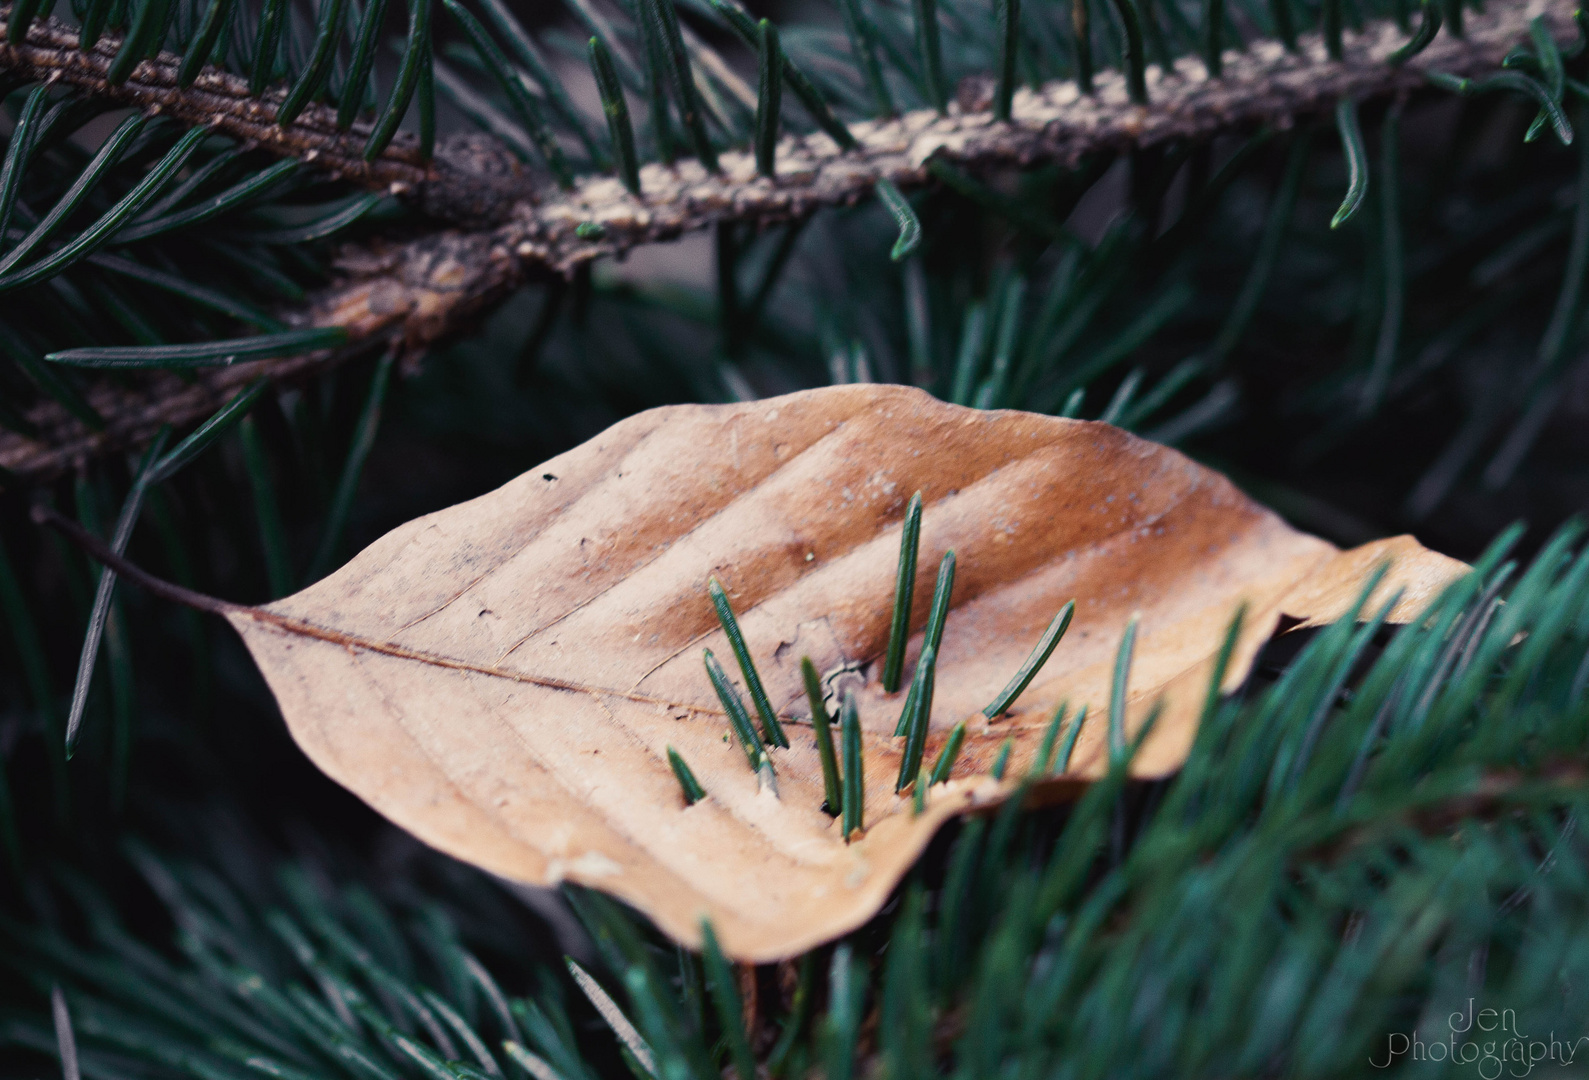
(426, 289)
(456, 185)
(1266, 85)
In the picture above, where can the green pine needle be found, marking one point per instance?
(1033, 664)
(822, 726)
(771, 729)
(693, 791)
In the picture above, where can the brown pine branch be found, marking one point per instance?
(455, 185)
(426, 289)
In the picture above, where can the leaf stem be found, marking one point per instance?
(1001, 762)
(1427, 29)
(1332, 18)
(1136, 62)
(863, 47)
(131, 507)
(364, 432)
(664, 20)
(415, 55)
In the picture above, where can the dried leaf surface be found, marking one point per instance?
(502, 678)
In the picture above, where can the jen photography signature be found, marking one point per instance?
(1486, 1039)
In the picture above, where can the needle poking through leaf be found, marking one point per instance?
(946, 756)
(1069, 748)
(693, 791)
(917, 716)
(823, 726)
(904, 590)
(1002, 762)
(854, 779)
(1044, 762)
(749, 741)
(932, 637)
(747, 666)
(1040, 654)
(1117, 693)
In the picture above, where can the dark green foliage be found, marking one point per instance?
(1081, 42)
(363, 441)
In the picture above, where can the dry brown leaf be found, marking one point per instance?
(502, 678)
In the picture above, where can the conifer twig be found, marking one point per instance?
(453, 185)
(423, 290)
